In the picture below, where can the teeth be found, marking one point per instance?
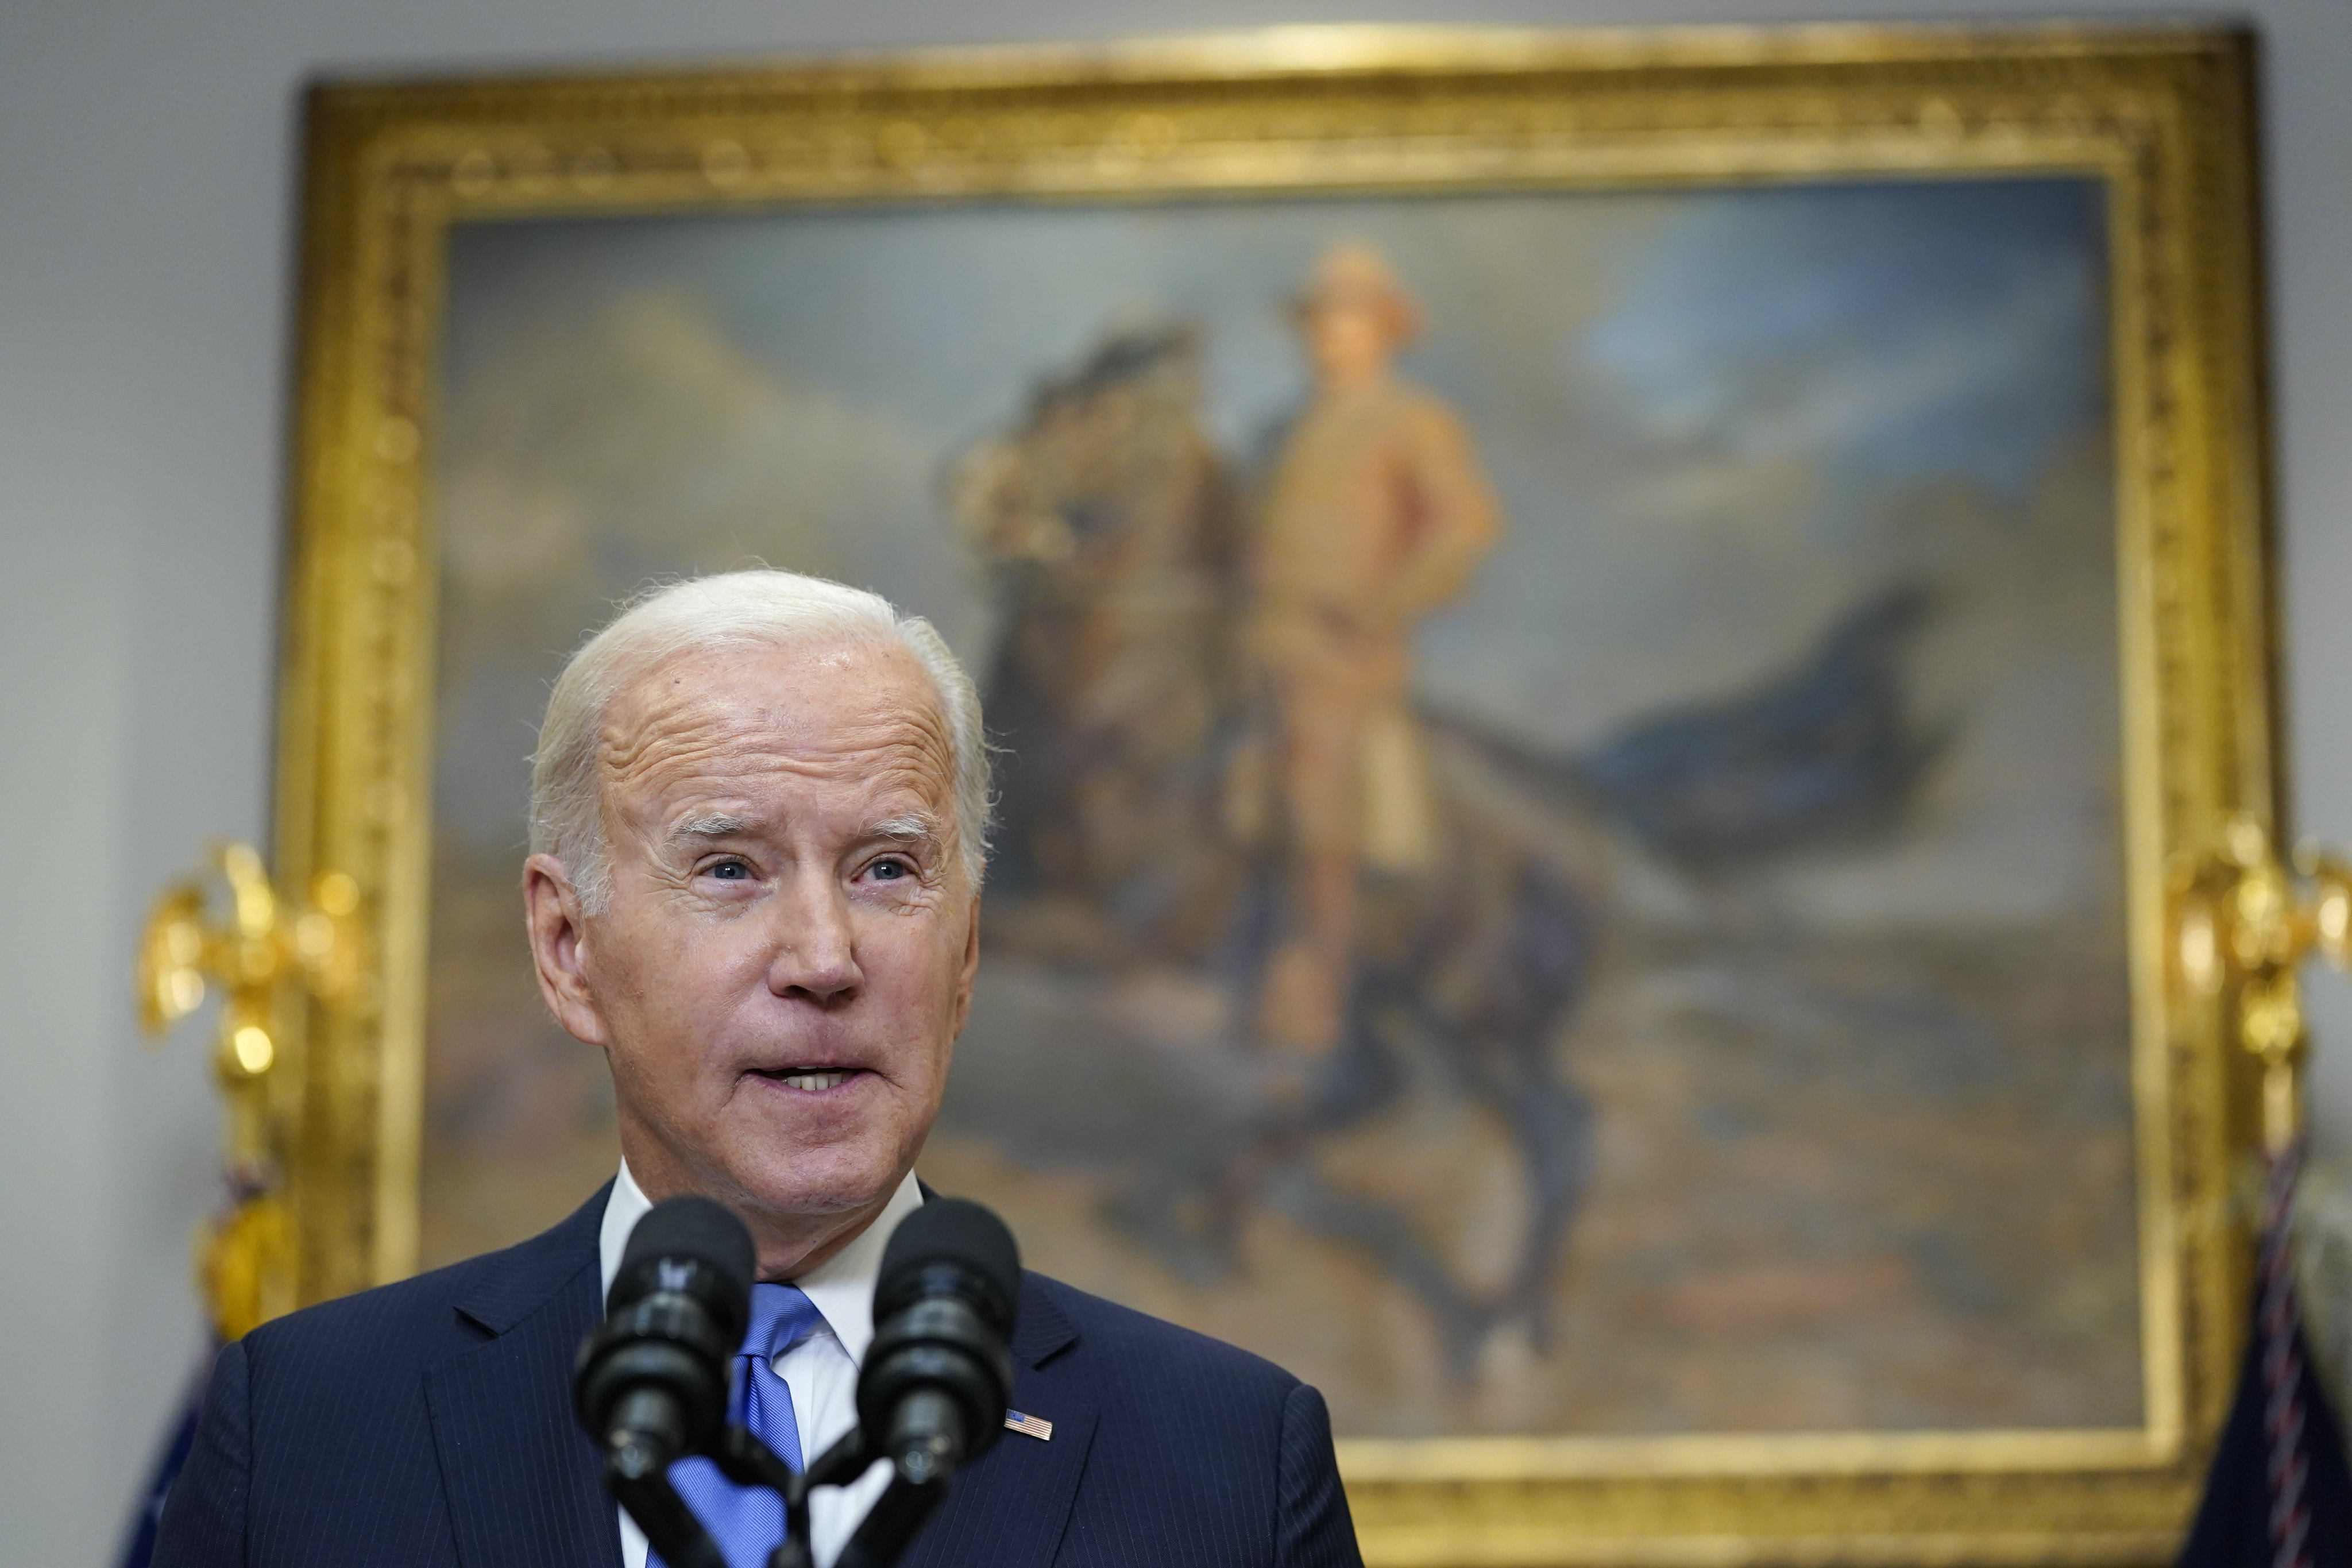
(815, 1082)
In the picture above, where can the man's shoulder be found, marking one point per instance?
(381, 1315)
(1137, 1347)
(427, 1313)
(1180, 1438)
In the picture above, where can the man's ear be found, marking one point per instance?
(558, 948)
(971, 967)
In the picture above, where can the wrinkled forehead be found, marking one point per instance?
(858, 708)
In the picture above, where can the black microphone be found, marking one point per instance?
(651, 1384)
(937, 1377)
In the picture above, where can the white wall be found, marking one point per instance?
(146, 172)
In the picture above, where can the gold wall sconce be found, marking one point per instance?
(2244, 920)
(266, 955)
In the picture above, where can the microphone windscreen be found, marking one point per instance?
(692, 1229)
(953, 1231)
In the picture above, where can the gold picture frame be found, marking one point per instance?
(2160, 116)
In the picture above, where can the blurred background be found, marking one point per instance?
(149, 160)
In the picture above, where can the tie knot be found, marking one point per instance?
(782, 1316)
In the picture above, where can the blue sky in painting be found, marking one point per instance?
(946, 314)
(1717, 417)
(1951, 328)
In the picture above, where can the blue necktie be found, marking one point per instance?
(747, 1522)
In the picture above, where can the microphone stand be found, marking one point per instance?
(742, 1458)
(681, 1542)
(898, 1514)
(642, 1486)
(889, 1527)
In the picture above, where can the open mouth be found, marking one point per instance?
(810, 1080)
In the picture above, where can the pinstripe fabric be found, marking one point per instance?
(1170, 1450)
(425, 1424)
(428, 1425)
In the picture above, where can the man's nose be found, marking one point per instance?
(816, 954)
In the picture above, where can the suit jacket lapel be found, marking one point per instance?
(522, 1479)
(1013, 1505)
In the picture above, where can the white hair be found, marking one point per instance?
(752, 608)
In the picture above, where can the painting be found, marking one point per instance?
(1574, 790)
(1569, 882)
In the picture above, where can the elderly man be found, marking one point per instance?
(757, 824)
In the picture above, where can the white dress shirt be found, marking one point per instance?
(820, 1370)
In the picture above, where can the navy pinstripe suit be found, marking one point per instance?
(430, 1423)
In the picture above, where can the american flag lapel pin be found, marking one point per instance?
(1036, 1427)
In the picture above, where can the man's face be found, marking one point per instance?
(786, 956)
(1349, 339)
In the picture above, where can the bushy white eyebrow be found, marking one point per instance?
(907, 828)
(710, 825)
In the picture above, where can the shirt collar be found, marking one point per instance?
(841, 1287)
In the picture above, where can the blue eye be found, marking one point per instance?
(731, 870)
(890, 870)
